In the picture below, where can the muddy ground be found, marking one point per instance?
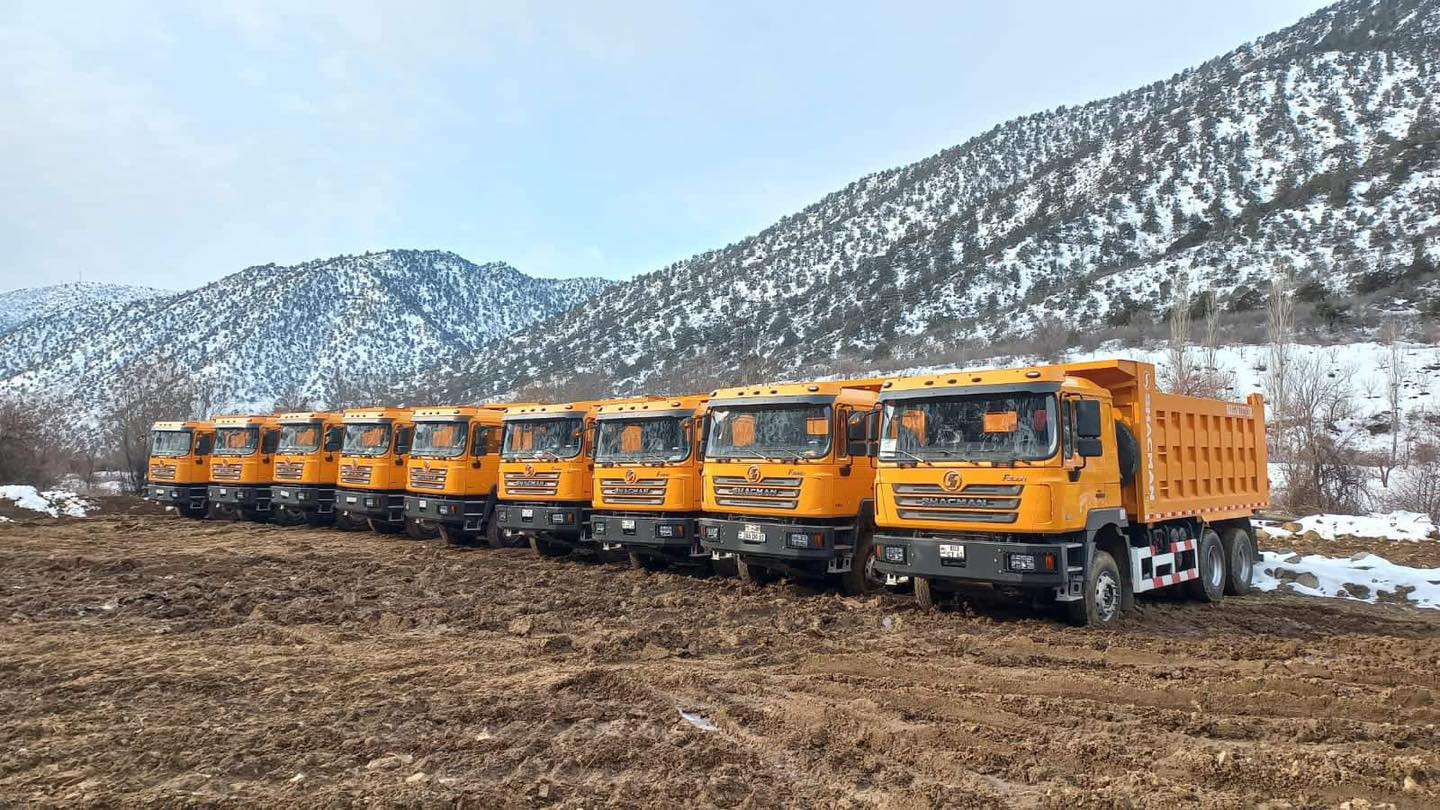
(154, 659)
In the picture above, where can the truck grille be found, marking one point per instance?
(221, 471)
(162, 472)
(354, 474)
(974, 503)
(428, 479)
(289, 470)
(768, 493)
(645, 491)
(541, 483)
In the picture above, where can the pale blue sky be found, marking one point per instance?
(141, 143)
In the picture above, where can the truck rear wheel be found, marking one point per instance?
(545, 548)
(751, 573)
(1210, 553)
(1104, 594)
(1239, 560)
(924, 595)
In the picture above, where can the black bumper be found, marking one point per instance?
(670, 533)
(387, 507)
(777, 541)
(978, 561)
(566, 522)
(190, 495)
(247, 496)
(304, 498)
(469, 514)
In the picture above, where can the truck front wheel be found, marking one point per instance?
(924, 595)
(1104, 594)
(751, 573)
(862, 578)
(1210, 585)
(545, 548)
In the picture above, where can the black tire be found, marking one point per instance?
(346, 523)
(862, 578)
(255, 515)
(494, 537)
(1210, 585)
(316, 519)
(1239, 560)
(545, 548)
(725, 567)
(288, 516)
(382, 527)
(417, 531)
(752, 574)
(1103, 603)
(646, 562)
(924, 594)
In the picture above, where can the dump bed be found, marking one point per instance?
(1197, 456)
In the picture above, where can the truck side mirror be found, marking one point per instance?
(270, 442)
(205, 446)
(1087, 419)
(1089, 447)
(857, 434)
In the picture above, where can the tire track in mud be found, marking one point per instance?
(153, 659)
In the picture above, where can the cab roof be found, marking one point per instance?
(560, 410)
(818, 392)
(300, 417)
(1090, 376)
(689, 405)
(239, 420)
(377, 414)
(487, 413)
(186, 425)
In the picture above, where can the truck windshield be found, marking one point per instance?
(169, 442)
(440, 439)
(769, 431)
(299, 439)
(997, 427)
(543, 438)
(236, 441)
(370, 439)
(662, 439)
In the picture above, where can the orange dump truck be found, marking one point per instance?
(371, 488)
(454, 466)
(178, 474)
(648, 491)
(243, 466)
(307, 462)
(1077, 485)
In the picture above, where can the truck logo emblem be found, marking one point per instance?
(951, 481)
(629, 476)
(529, 469)
(753, 474)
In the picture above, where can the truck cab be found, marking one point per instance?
(648, 489)
(178, 473)
(789, 481)
(307, 464)
(243, 466)
(371, 487)
(547, 475)
(453, 472)
(1039, 483)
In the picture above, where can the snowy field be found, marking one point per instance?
(1365, 577)
(52, 502)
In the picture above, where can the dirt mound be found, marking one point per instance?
(155, 659)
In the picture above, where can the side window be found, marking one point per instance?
(402, 440)
(334, 438)
(270, 442)
(205, 445)
(1067, 427)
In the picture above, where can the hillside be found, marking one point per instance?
(291, 333)
(1317, 146)
(18, 306)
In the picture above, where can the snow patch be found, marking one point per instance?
(1406, 526)
(1364, 577)
(53, 502)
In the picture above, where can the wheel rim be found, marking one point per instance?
(1216, 574)
(1242, 570)
(1107, 596)
(873, 578)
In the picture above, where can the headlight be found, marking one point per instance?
(712, 532)
(805, 540)
(502, 515)
(560, 518)
(895, 554)
(369, 501)
(665, 530)
(598, 527)
(1030, 562)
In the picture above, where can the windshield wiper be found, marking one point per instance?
(918, 459)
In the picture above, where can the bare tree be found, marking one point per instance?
(1391, 333)
(1179, 373)
(154, 392)
(27, 454)
(1322, 469)
(1417, 486)
(1052, 341)
(1280, 328)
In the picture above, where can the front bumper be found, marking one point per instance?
(778, 541)
(304, 497)
(387, 507)
(560, 521)
(191, 495)
(979, 561)
(672, 533)
(465, 513)
(245, 495)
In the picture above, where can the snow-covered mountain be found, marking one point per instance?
(18, 306)
(1317, 146)
(288, 333)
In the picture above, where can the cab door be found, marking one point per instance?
(1090, 461)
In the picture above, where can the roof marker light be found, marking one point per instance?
(1032, 374)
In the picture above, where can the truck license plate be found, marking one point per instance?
(952, 552)
(422, 503)
(222, 490)
(752, 533)
(627, 525)
(351, 499)
(527, 514)
(284, 493)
